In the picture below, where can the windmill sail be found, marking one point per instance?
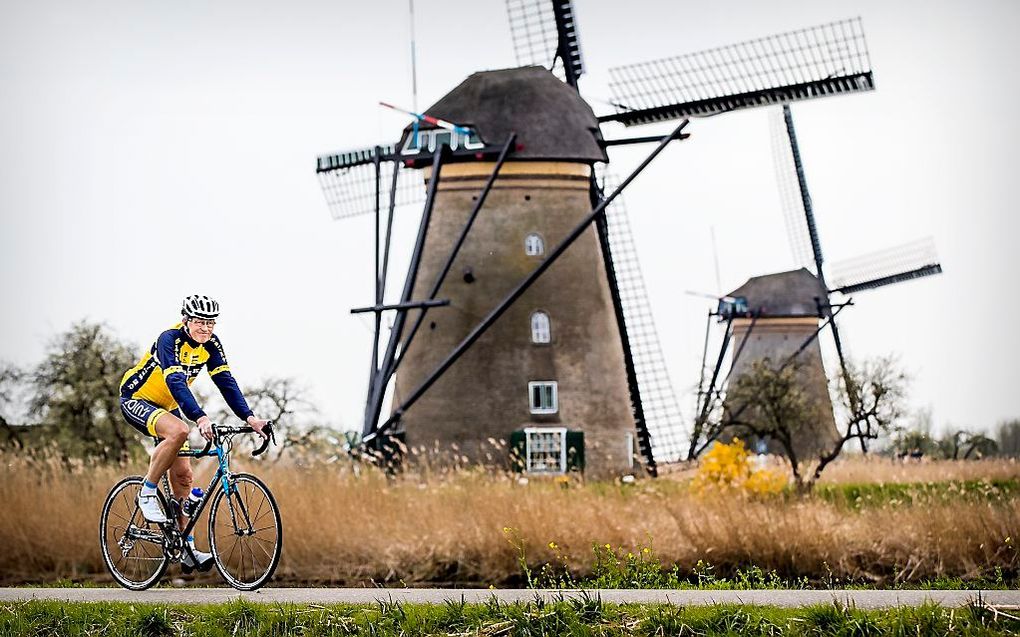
(669, 436)
(885, 267)
(823, 60)
(348, 182)
(544, 33)
(790, 198)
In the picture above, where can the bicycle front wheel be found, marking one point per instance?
(245, 534)
(132, 547)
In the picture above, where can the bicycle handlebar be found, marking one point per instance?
(220, 430)
(269, 437)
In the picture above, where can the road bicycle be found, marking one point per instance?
(245, 534)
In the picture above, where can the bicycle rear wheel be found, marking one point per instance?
(132, 547)
(245, 534)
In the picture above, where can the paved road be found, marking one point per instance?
(787, 598)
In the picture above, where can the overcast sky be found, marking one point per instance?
(149, 150)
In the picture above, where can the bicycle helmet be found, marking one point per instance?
(200, 306)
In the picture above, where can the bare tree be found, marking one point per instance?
(965, 445)
(285, 401)
(874, 397)
(769, 402)
(916, 440)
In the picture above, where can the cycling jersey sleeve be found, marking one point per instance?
(220, 373)
(168, 357)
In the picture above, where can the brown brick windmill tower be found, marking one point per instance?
(553, 364)
(529, 343)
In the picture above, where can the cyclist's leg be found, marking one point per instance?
(147, 418)
(180, 483)
(174, 433)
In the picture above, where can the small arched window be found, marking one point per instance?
(540, 329)
(534, 246)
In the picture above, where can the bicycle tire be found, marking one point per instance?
(224, 555)
(123, 493)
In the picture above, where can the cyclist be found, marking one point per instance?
(155, 392)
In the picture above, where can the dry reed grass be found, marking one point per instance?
(430, 527)
(876, 469)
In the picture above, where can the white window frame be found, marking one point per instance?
(541, 334)
(539, 248)
(535, 431)
(555, 397)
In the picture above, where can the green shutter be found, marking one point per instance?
(575, 451)
(518, 447)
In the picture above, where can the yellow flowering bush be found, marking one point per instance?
(730, 467)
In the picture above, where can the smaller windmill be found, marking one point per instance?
(779, 316)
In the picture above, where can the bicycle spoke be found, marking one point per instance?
(240, 559)
(227, 536)
(253, 567)
(262, 548)
(260, 539)
(255, 560)
(232, 547)
(256, 518)
(269, 511)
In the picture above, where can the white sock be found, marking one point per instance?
(148, 488)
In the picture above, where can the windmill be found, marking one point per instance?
(777, 315)
(522, 314)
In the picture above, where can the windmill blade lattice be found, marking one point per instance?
(348, 182)
(542, 29)
(669, 436)
(823, 60)
(885, 267)
(789, 192)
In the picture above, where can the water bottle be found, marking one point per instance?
(192, 502)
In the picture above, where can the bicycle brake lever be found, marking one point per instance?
(270, 436)
(208, 443)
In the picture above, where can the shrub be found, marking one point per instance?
(729, 467)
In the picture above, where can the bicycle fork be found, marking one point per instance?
(244, 512)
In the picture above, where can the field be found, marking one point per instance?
(872, 521)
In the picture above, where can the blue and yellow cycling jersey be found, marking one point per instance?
(166, 371)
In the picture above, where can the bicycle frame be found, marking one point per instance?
(222, 475)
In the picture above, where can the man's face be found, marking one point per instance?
(200, 329)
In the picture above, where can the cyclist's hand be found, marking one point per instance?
(205, 427)
(257, 424)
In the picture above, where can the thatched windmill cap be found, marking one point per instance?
(551, 119)
(784, 294)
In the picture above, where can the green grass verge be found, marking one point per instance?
(910, 493)
(579, 617)
(642, 569)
